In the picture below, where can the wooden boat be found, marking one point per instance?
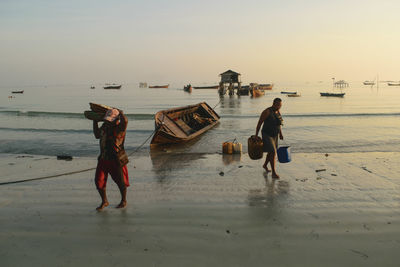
(207, 87)
(288, 93)
(369, 83)
(294, 95)
(187, 88)
(244, 90)
(17, 92)
(114, 86)
(257, 92)
(333, 94)
(159, 86)
(182, 124)
(394, 83)
(267, 86)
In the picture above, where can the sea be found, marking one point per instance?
(48, 120)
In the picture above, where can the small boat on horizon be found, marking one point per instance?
(266, 86)
(256, 92)
(113, 86)
(333, 94)
(288, 93)
(294, 95)
(17, 92)
(188, 88)
(369, 83)
(178, 125)
(394, 83)
(159, 86)
(92, 87)
(207, 87)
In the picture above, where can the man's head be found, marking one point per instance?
(277, 104)
(111, 116)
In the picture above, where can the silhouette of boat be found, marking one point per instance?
(159, 86)
(114, 86)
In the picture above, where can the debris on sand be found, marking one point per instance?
(64, 157)
(320, 170)
(221, 173)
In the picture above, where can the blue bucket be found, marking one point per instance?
(284, 154)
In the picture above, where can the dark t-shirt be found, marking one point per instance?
(272, 124)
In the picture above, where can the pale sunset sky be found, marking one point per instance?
(174, 41)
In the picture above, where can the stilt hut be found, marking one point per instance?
(228, 80)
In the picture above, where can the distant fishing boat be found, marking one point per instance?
(333, 94)
(369, 83)
(159, 86)
(188, 88)
(267, 86)
(294, 95)
(394, 83)
(255, 92)
(17, 92)
(244, 90)
(113, 86)
(92, 87)
(288, 93)
(178, 125)
(207, 87)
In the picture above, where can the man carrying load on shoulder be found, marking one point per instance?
(271, 120)
(112, 159)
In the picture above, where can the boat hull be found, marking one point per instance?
(333, 94)
(159, 86)
(17, 92)
(257, 92)
(207, 87)
(112, 87)
(265, 86)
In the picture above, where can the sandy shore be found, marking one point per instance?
(205, 210)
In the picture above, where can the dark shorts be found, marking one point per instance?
(270, 143)
(105, 167)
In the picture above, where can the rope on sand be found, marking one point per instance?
(74, 172)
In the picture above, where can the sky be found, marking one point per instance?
(180, 41)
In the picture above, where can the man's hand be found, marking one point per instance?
(280, 136)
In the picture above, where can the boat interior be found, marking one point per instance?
(191, 120)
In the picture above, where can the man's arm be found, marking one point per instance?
(280, 134)
(263, 116)
(96, 130)
(123, 122)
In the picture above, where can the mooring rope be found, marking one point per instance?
(219, 102)
(73, 172)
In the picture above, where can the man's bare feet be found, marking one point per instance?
(102, 206)
(275, 175)
(121, 205)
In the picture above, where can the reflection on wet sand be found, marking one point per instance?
(270, 195)
(165, 162)
(228, 159)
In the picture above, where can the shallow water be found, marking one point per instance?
(49, 120)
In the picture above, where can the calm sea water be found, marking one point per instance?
(49, 120)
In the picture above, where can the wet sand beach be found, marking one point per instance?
(205, 210)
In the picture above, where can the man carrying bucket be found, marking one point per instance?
(271, 120)
(112, 159)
